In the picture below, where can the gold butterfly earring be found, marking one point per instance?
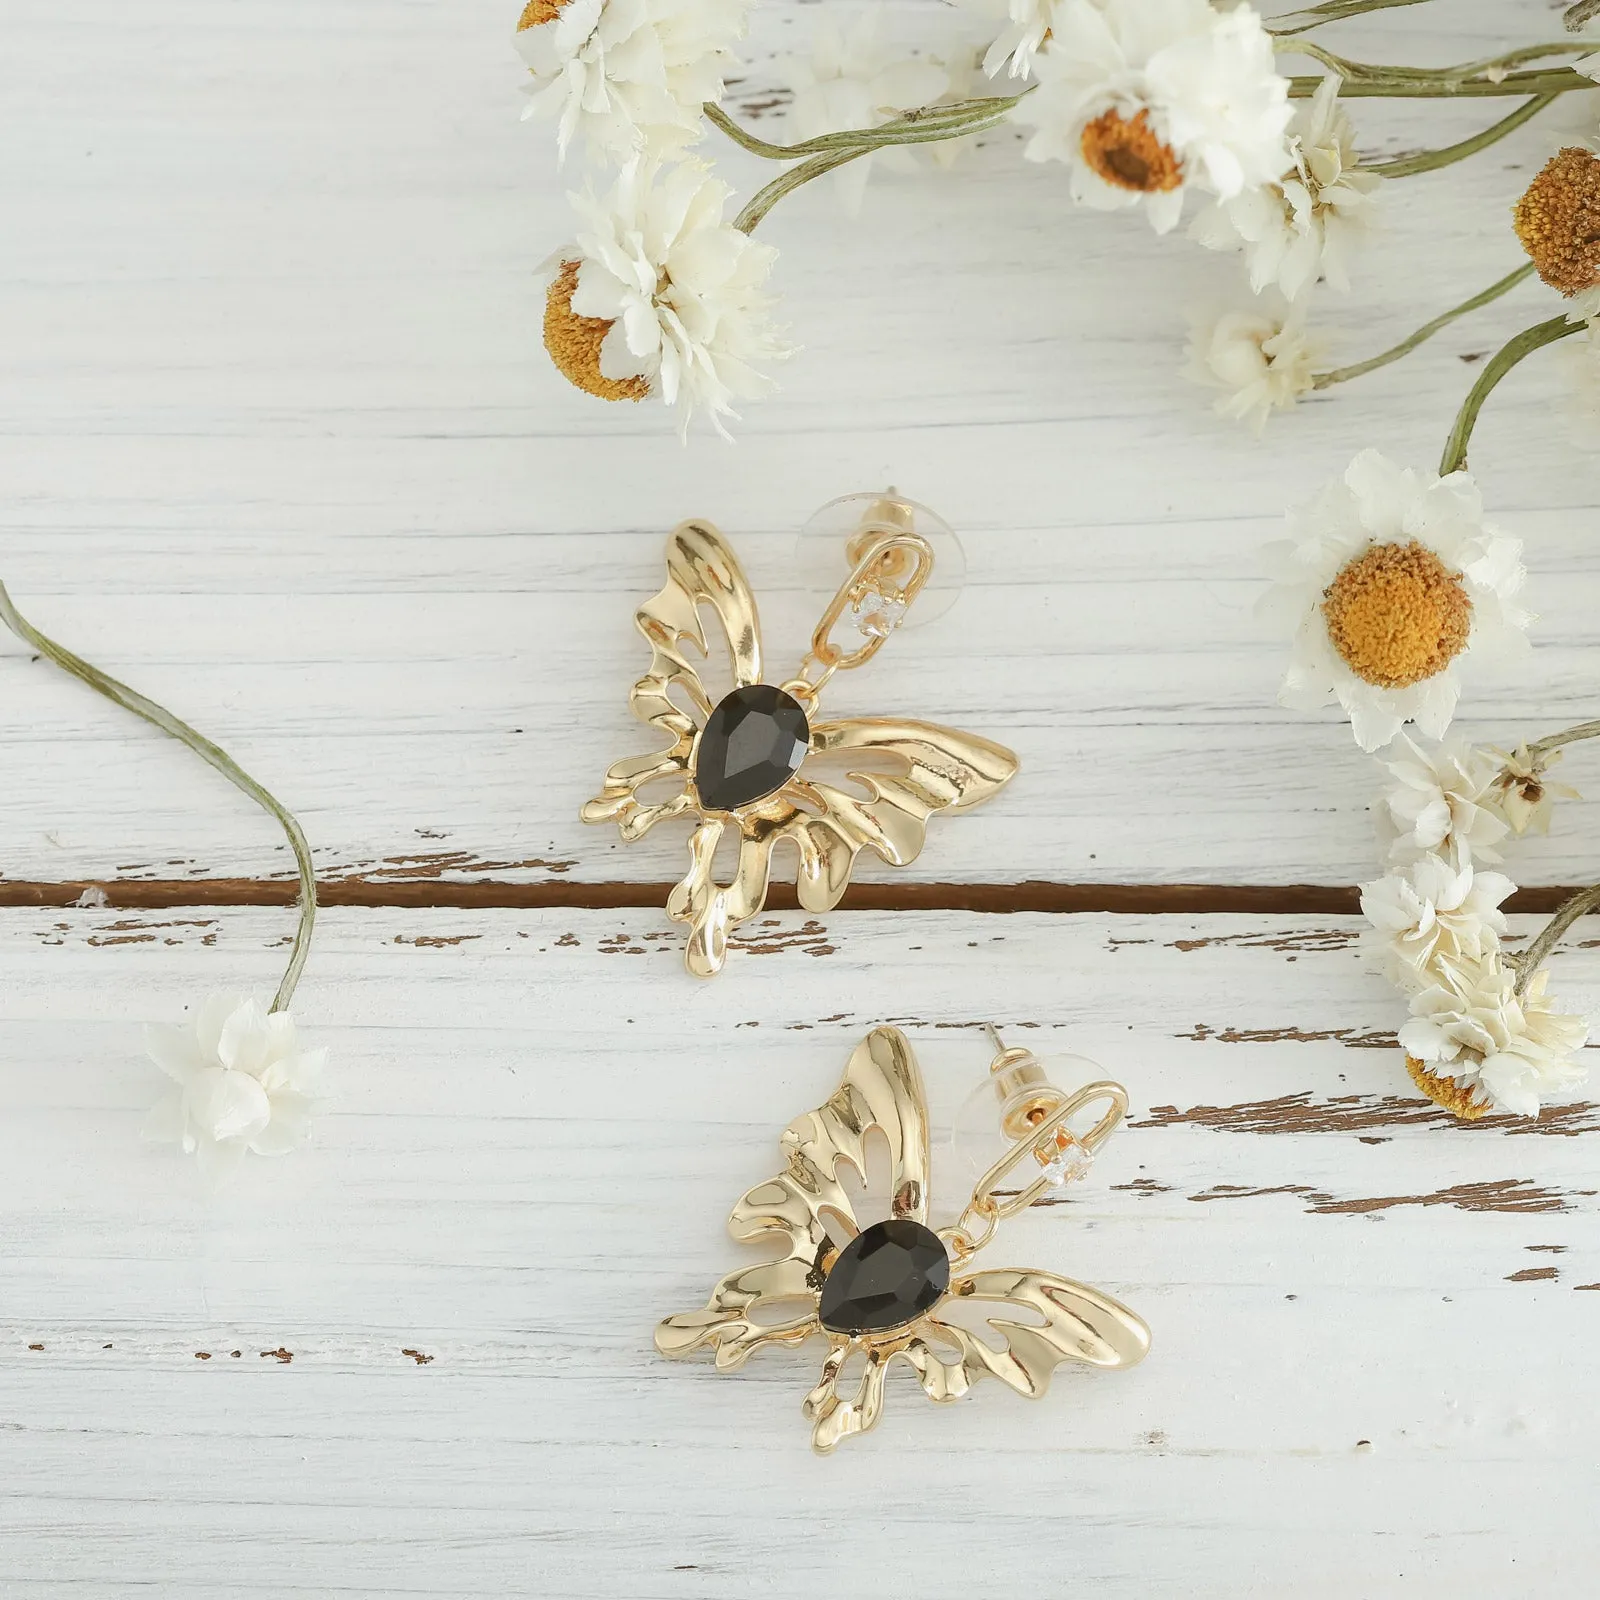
(893, 1290)
(752, 761)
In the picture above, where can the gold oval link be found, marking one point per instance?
(823, 648)
(983, 1194)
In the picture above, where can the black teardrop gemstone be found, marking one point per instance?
(889, 1274)
(752, 744)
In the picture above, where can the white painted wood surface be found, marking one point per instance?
(1356, 1387)
(278, 444)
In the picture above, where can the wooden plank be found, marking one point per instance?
(281, 448)
(1370, 1368)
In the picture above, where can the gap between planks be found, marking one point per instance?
(1134, 899)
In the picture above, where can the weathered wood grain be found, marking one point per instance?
(280, 445)
(1370, 1372)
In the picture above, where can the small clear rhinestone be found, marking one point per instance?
(1064, 1160)
(875, 615)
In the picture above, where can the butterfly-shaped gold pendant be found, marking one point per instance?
(887, 1291)
(742, 763)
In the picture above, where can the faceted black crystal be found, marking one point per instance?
(887, 1275)
(751, 744)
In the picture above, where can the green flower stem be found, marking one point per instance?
(1331, 11)
(213, 755)
(1407, 83)
(837, 155)
(925, 125)
(1486, 68)
(1432, 160)
(1531, 959)
(1324, 380)
(1499, 364)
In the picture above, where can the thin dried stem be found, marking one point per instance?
(925, 125)
(1448, 155)
(1415, 84)
(1324, 380)
(1333, 11)
(213, 755)
(1531, 959)
(1572, 735)
(838, 155)
(1500, 363)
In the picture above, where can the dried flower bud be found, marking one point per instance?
(1558, 221)
(539, 11)
(1522, 794)
(574, 343)
(1456, 1098)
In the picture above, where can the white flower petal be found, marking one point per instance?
(223, 1104)
(175, 1050)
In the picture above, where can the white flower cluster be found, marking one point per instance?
(242, 1084)
(1145, 101)
(657, 295)
(1295, 232)
(1473, 1039)
(1149, 100)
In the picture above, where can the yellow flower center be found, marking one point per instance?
(538, 11)
(1446, 1092)
(574, 343)
(1127, 153)
(1397, 614)
(1558, 221)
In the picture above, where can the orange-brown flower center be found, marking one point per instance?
(1446, 1092)
(1126, 153)
(1397, 614)
(1558, 221)
(539, 11)
(574, 343)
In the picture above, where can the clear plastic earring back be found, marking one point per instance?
(839, 533)
(1017, 1097)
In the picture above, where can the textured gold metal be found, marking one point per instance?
(901, 772)
(806, 1206)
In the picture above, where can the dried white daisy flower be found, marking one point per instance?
(852, 81)
(1440, 800)
(243, 1084)
(1262, 363)
(1435, 911)
(1391, 576)
(1306, 224)
(1522, 794)
(1146, 99)
(1471, 1032)
(628, 74)
(658, 295)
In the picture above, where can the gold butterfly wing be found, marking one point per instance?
(881, 1091)
(703, 574)
(1068, 1322)
(908, 771)
(1076, 1323)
